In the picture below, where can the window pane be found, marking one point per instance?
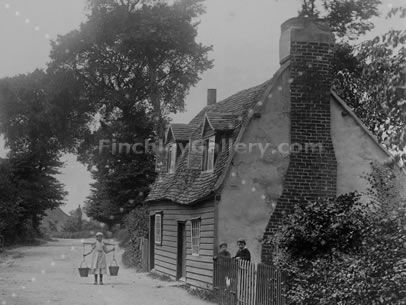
(195, 236)
(205, 155)
(169, 158)
(158, 227)
(212, 148)
(173, 158)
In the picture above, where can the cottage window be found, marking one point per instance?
(172, 154)
(209, 147)
(195, 236)
(158, 228)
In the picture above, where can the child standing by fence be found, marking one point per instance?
(99, 265)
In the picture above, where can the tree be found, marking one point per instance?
(10, 210)
(75, 222)
(135, 62)
(35, 141)
(146, 56)
(347, 18)
(122, 178)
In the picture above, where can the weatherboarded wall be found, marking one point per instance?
(199, 269)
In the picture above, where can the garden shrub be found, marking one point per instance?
(345, 251)
(136, 223)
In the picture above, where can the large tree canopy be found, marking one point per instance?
(35, 135)
(134, 62)
(347, 18)
(145, 56)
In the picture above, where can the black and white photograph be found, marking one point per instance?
(203, 152)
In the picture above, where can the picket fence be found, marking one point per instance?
(244, 283)
(238, 282)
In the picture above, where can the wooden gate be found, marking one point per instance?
(225, 280)
(243, 283)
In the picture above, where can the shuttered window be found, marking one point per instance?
(158, 228)
(195, 236)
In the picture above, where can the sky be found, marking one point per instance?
(244, 35)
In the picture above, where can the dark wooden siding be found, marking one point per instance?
(199, 269)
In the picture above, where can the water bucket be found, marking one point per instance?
(113, 269)
(84, 272)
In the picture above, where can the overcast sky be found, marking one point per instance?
(244, 34)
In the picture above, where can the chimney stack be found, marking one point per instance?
(307, 45)
(303, 31)
(211, 96)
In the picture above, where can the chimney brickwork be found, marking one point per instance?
(211, 96)
(312, 171)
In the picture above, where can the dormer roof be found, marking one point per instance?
(179, 132)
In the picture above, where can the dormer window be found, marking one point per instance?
(177, 138)
(209, 151)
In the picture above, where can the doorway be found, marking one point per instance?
(151, 242)
(181, 260)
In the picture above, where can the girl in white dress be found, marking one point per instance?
(99, 265)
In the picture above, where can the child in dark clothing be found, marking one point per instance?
(223, 250)
(243, 253)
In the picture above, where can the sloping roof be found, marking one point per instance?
(221, 121)
(54, 219)
(189, 184)
(181, 132)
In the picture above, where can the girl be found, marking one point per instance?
(99, 264)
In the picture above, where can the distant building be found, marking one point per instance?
(54, 220)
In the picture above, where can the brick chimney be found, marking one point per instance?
(211, 96)
(312, 173)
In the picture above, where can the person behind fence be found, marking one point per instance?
(243, 253)
(99, 265)
(223, 250)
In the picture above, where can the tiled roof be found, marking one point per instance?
(222, 121)
(189, 184)
(181, 132)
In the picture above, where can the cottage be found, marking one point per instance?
(242, 163)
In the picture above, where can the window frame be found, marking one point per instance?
(208, 156)
(171, 157)
(160, 227)
(195, 227)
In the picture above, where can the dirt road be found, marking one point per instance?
(48, 274)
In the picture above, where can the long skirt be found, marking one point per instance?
(99, 265)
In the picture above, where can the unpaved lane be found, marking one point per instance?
(48, 274)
